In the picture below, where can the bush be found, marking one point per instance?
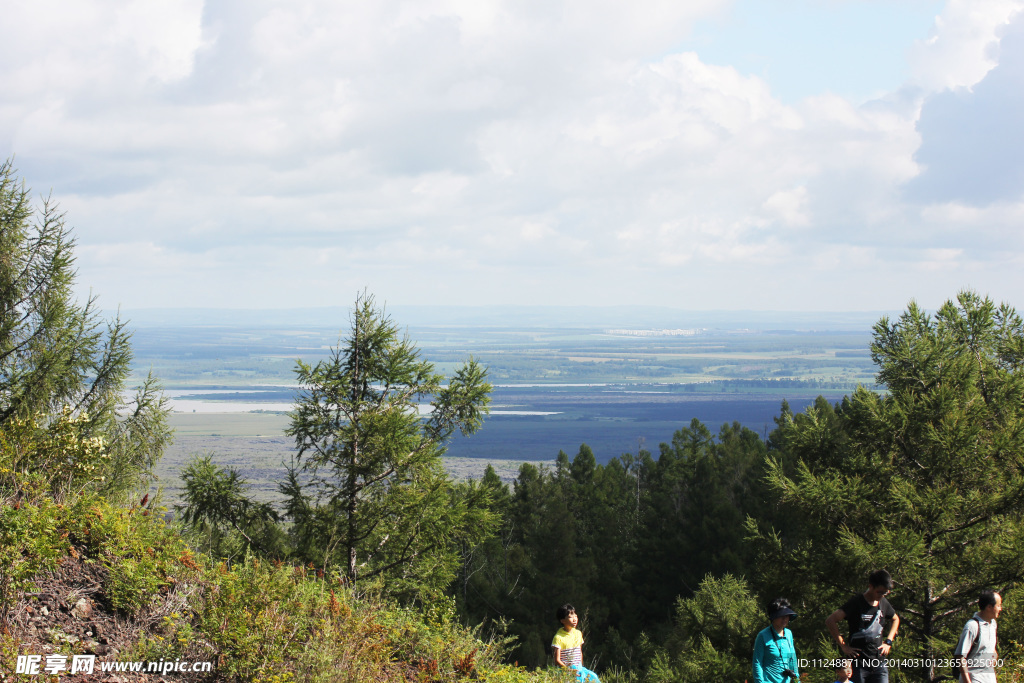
(713, 634)
(271, 621)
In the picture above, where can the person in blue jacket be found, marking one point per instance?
(774, 654)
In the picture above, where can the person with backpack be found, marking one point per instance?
(976, 649)
(867, 615)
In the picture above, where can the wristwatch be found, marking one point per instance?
(888, 641)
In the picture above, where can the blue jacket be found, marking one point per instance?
(773, 654)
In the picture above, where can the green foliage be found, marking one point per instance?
(29, 543)
(712, 634)
(140, 553)
(698, 496)
(926, 481)
(219, 514)
(58, 359)
(266, 621)
(723, 614)
(541, 558)
(257, 620)
(620, 541)
(43, 468)
(367, 492)
(1011, 634)
(53, 458)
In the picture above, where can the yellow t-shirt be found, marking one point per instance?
(571, 645)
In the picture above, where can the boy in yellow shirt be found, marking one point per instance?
(567, 645)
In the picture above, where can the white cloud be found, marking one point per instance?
(972, 142)
(960, 50)
(261, 153)
(790, 206)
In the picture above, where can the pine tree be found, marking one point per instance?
(711, 635)
(61, 365)
(698, 495)
(217, 510)
(926, 480)
(367, 491)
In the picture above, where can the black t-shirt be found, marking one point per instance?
(867, 623)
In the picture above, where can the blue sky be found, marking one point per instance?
(786, 155)
(802, 48)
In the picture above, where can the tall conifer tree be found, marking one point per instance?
(61, 364)
(367, 491)
(926, 480)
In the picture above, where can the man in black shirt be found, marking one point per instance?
(867, 614)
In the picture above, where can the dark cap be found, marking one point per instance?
(782, 612)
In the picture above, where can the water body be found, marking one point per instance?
(613, 423)
(230, 401)
(535, 422)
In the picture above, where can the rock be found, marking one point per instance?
(97, 629)
(45, 611)
(82, 609)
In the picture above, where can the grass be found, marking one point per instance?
(256, 620)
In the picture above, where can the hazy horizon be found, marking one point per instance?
(589, 317)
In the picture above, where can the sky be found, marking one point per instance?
(801, 155)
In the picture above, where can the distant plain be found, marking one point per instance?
(615, 391)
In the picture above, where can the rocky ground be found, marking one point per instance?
(67, 614)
